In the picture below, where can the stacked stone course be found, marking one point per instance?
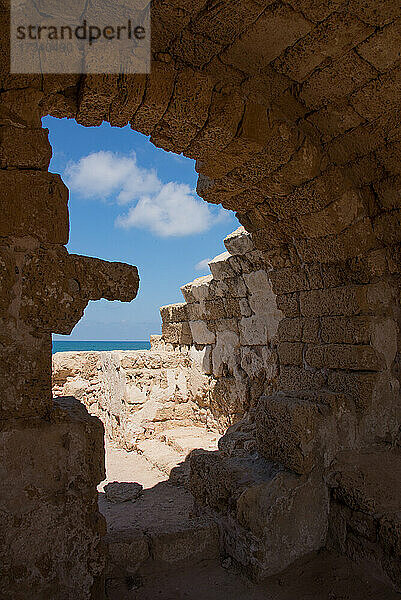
(329, 335)
(231, 317)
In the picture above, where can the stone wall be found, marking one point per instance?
(304, 361)
(137, 394)
(231, 318)
(51, 529)
(52, 456)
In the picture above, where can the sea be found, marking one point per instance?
(77, 346)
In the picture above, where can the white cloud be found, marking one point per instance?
(166, 209)
(203, 265)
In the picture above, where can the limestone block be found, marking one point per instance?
(251, 362)
(291, 279)
(291, 353)
(225, 352)
(200, 333)
(156, 342)
(184, 118)
(257, 282)
(25, 372)
(253, 330)
(387, 227)
(293, 378)
(197, 290)
(174, 313)
(23, 106)
(245, 308)
(348, 330)
(195, 311)
(232, 307)
(289, 515)
(220, 266)
(267, 517)
(290, 330)
(50, 469)
(288, 304)
(344, 356)
(24, 148)
(158, 91)
(274, 24)
(346, 300)
(358, 239)
(287, 431)
(304, 430)
(230, 286)
(34, 203)
(324, 40)
(214, 309)
(177, 333)
(239, 242)
(337, 81)
(225, 113)
(56, 287)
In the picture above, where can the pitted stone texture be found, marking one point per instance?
(57, 286)
(233, 313)
(267, 517)
(34, 203)
(364, 513)
(137, 394)
(304, 431)
(50, 470)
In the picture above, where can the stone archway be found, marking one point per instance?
(300, 136)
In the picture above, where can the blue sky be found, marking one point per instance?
(135, 203)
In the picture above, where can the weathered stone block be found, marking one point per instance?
(200, 333)
(52, 529)
(286, 281)
(346, 330)
(290, 353)
(225, 354)
(232, 307)
(253, 330)
(177, 333)
(56, 287)
(304, 430)
(174, 313)
(34, 203)
(24, 148)
(197, 290)
(329, 38)
(346, 300)
(220, 266)
(358, 239)
(25, 372)
(239, 242)
(267, 518)
(289, 304)
(293, 378)
(214, 309)
(290, 330)
(275, 24)
(344, 356)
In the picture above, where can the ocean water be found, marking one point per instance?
(71, 346)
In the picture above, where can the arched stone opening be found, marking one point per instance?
(310, 163)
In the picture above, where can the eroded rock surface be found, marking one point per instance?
(137, 394)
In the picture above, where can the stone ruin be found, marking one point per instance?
(292, 113)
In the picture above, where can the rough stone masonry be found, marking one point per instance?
(292, 113)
